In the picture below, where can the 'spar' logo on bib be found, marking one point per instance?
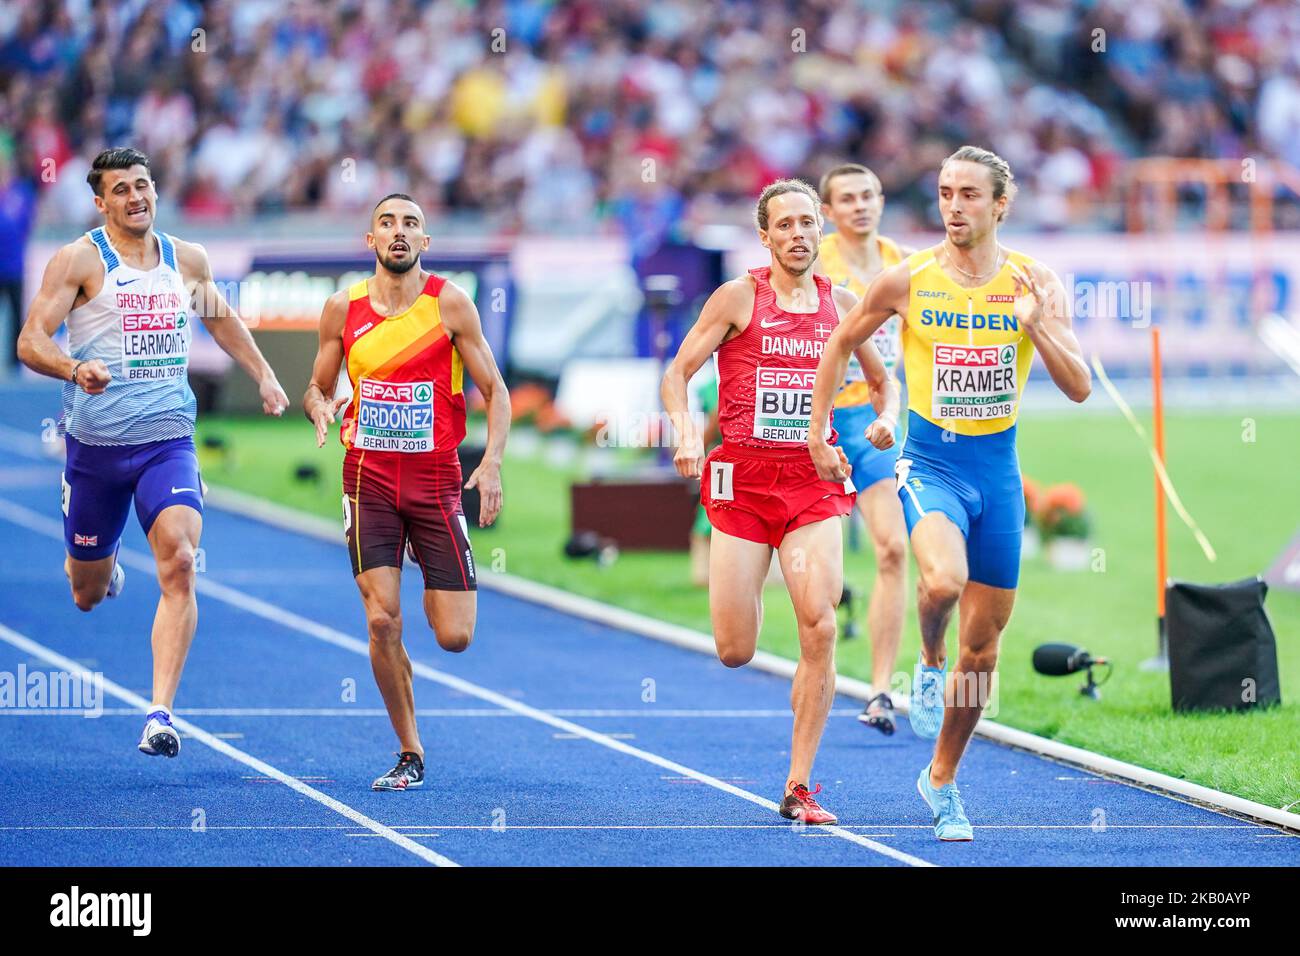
(151, 323)
(786, 378)
(972, 356)
(387, 391)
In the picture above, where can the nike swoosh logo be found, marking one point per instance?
(767, 325)
(128, 281)
(177, 491)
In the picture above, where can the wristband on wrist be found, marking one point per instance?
(75, 369)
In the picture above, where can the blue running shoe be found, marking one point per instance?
(160, 738)
(950, 821)
(926, 712)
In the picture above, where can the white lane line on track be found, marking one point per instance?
(412, 835)
(420, 712)
(27, 518)
(220, 746)
(679, 826)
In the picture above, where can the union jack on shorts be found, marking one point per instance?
(85, 540)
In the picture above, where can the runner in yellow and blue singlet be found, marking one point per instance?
(966, 360)
(974, 316)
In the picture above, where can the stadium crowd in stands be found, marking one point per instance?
(549, 116)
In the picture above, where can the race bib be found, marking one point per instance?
(722, 480)
(888, 344)
(974, 382)
(155, 346)
(394, 416)
(783, 404)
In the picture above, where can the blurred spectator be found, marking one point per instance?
(540, 115)
(17, 210)
(1279, 108)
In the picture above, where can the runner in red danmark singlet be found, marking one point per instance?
(406, 338)
(760, 487)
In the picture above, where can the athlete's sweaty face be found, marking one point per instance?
(794, 231)
(397, 235)
(966, 202)
(129, 199)
(855, 205)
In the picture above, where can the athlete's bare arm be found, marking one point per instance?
(1044, 313)
(64, 286)
(879, 400)
(886, 296)
(723, 317)
(461, 319)
(319, 408)
(885, 393)
(225, 325)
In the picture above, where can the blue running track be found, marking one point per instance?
(541, 750)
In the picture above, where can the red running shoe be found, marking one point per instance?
(800, 805)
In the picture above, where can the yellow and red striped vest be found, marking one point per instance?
(407, 377)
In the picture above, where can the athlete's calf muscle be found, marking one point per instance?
(737, 569)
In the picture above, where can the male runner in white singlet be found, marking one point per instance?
(126, 293)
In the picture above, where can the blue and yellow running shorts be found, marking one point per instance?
(870, 464)
(975, 481)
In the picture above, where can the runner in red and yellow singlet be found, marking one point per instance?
(406, 338)
(760, 486)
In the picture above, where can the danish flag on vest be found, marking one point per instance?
(766, 373)
(405, 371)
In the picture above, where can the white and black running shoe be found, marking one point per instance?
(407, 775)
(879, 713)
(160, 738)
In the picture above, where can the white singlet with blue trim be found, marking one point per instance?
(139, 325)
